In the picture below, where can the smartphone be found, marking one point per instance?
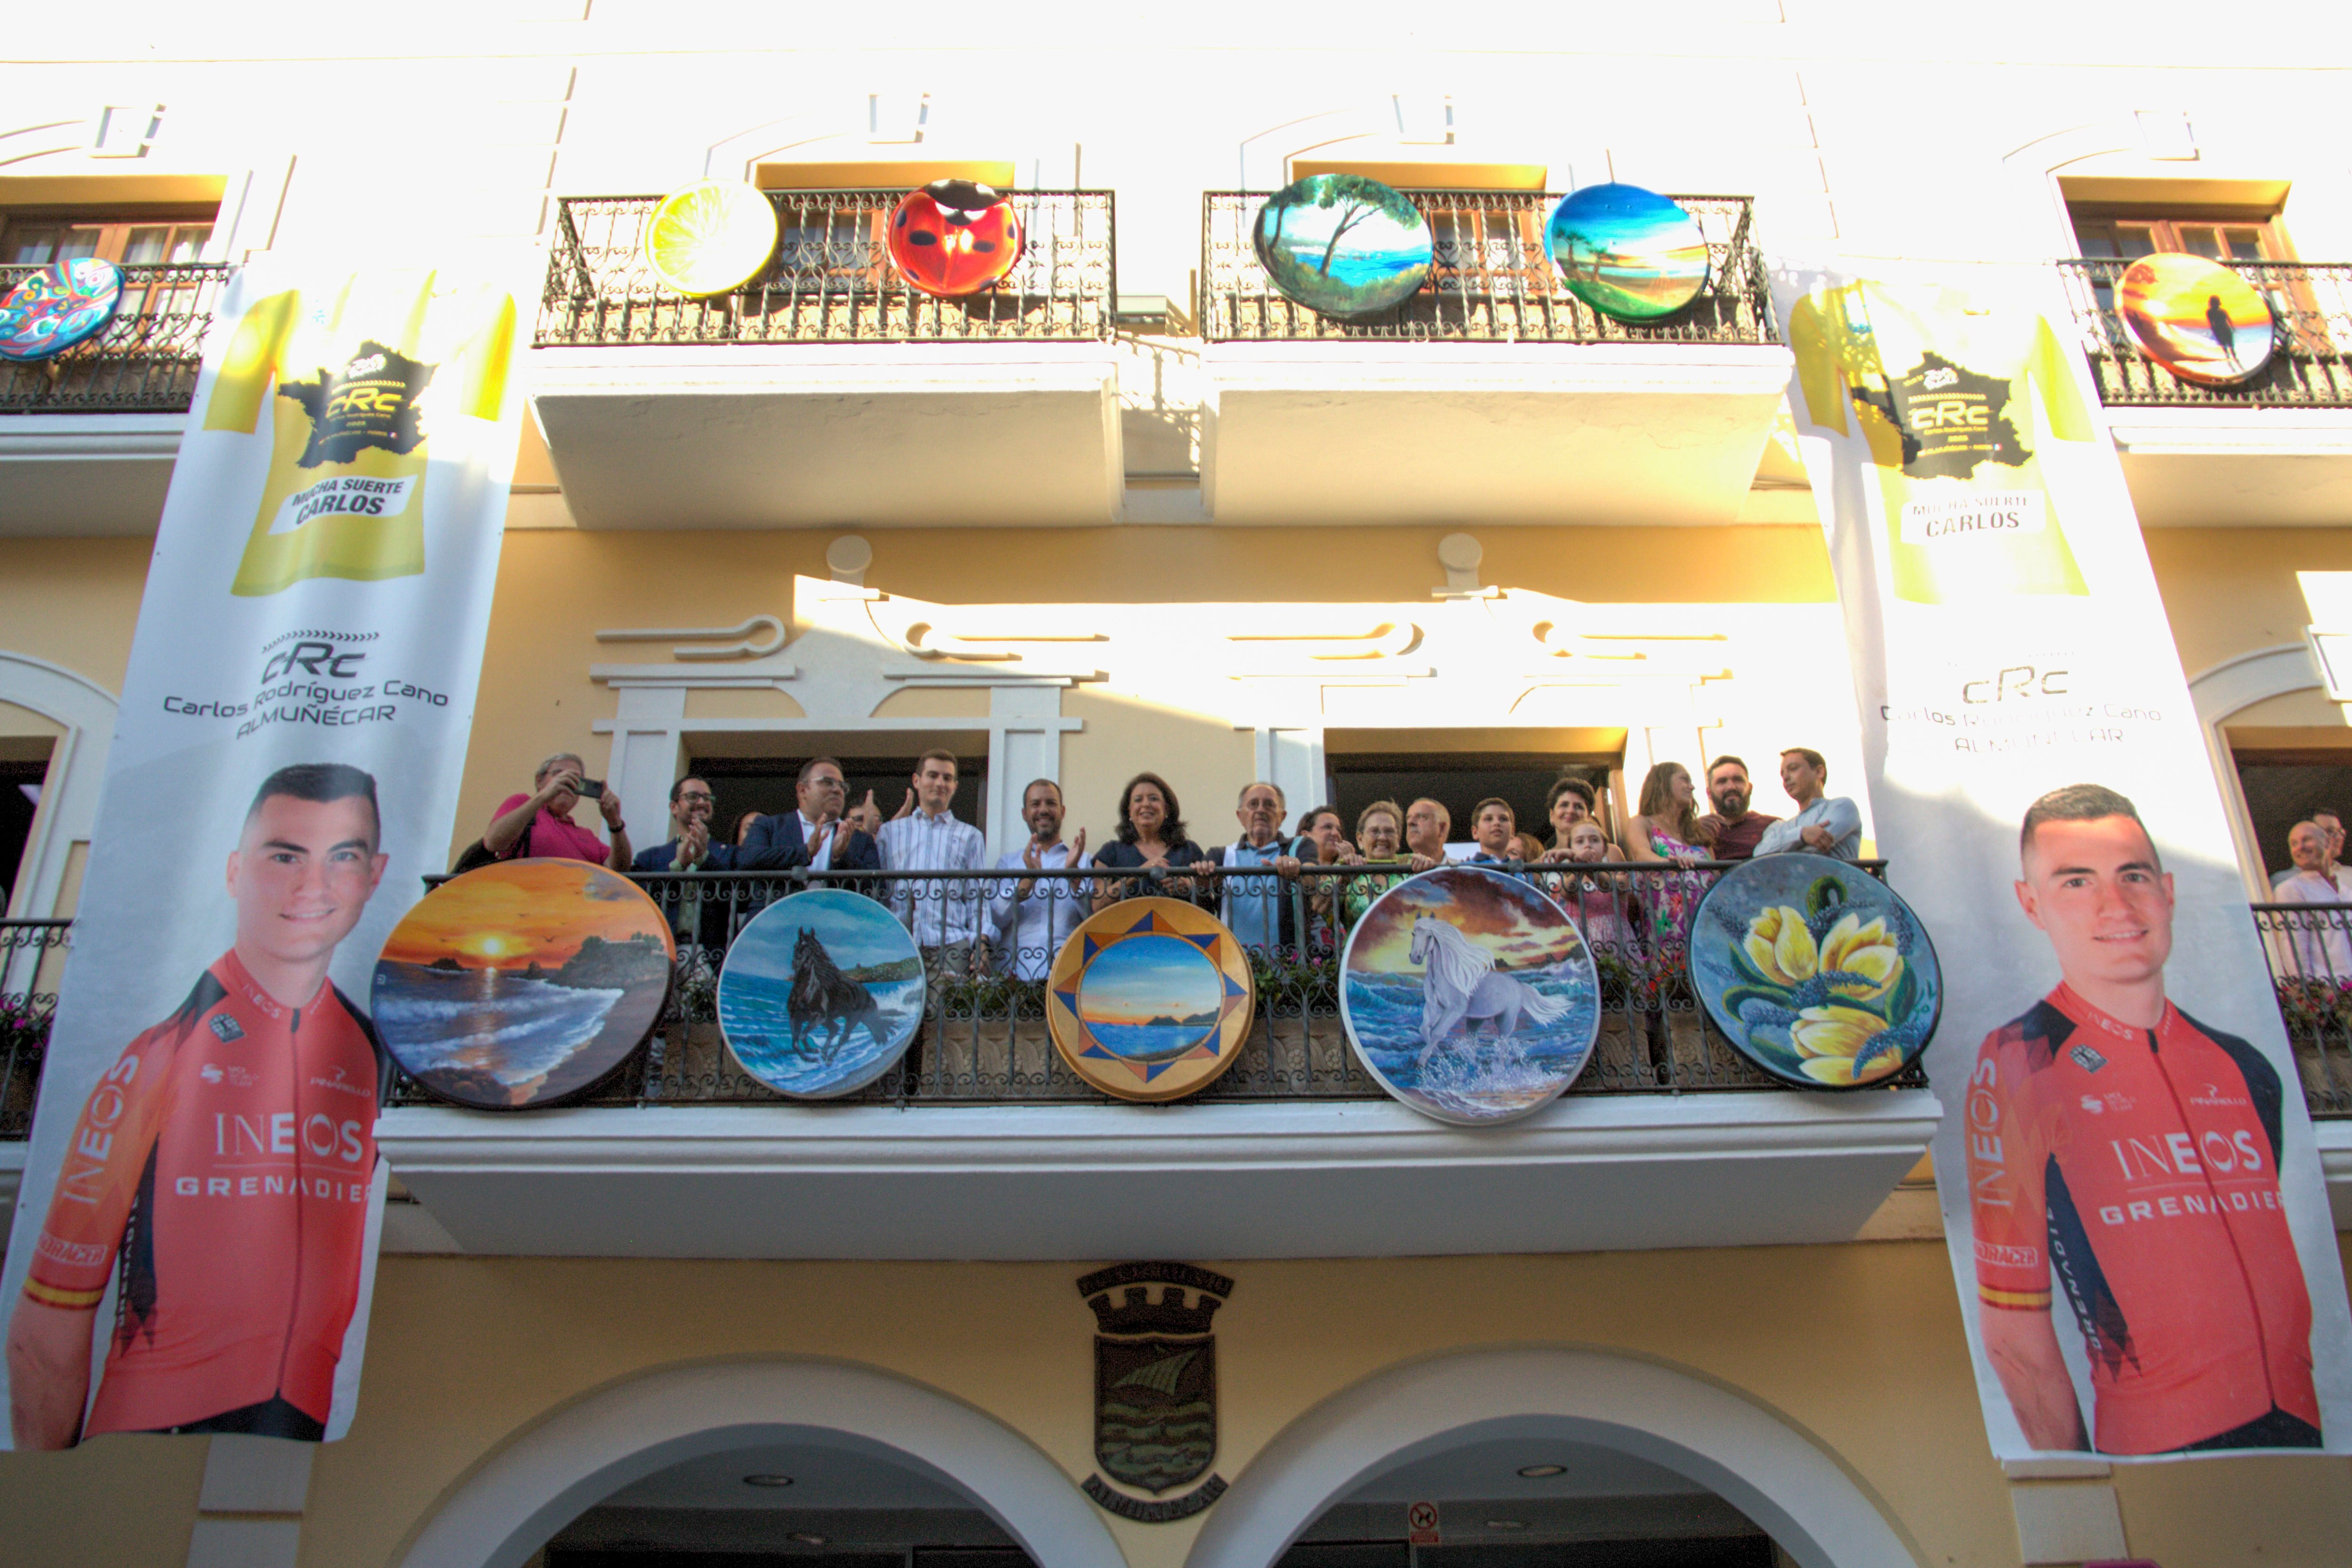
(591, 789)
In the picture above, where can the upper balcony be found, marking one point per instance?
(775, 406)
(87, 440)
(2275, 449)
(1493, 392)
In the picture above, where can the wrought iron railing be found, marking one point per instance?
(830, 280)
(1492, 281)
(29, 950)
(2310, 951)
(2311, 307)
(145, 363)
(984, 1038)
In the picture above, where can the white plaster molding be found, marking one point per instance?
(771, 630)
(2231, 687)
(578, 1455)
(69, 796)
(1795, 1490)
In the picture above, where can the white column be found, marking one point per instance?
(1290, 757)
(1024, 742)
(648, 735)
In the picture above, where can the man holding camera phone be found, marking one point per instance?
(539, 826)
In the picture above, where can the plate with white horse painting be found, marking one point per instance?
(821, 993)
(1469, 995)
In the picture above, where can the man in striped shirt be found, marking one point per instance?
(948, 917)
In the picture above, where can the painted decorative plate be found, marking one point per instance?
(711, 237)
(1342, 244)
(1470, 996)
(2196, 318)
(63, 304)
(1629, 253)
(1150, 999)
(1817, 971)
(955, 237)
(522, 983)
(821, 993)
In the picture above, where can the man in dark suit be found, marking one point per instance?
(689, 847)
(693, 915)
(818, 835)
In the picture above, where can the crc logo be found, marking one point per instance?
(315, 660)
(2016, 683)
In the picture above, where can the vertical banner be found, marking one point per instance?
(2131, 1194)
(194, 1240)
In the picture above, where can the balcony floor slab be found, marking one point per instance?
(2237, 468)
(1230, 1181)
(85, 475)
(1372, 431)
(798, 435)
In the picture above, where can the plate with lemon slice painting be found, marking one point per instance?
(712, 236)
(1816, 970)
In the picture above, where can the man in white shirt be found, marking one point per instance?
(1826, 825)
(2337, 871)
(946, 914)
(1032, 917)
(2322, 944)
(1261, 910)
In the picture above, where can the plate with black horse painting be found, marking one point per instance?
(821, 993)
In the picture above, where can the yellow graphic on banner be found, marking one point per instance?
(1939, 391)
(367, 380)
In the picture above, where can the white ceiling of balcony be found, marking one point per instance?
(874, 436)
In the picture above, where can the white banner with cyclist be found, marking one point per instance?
(2131, 1194)
(195, 1241)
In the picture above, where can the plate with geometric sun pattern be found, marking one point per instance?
(1149, 999)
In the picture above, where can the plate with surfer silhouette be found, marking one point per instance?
(1150, 999)
(1817, 971)
(522, 983)
(1469, 995)
(821, 993)
(2196, 318)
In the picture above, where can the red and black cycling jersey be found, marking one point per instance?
(221, 1169)
(2141, 1166)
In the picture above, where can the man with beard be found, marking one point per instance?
(1736, 829)
(1034, 915)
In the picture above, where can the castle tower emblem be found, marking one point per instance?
(1155, 1387)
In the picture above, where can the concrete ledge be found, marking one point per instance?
(1350, 1179)
(85, 475)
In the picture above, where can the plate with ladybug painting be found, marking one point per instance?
(955, 237)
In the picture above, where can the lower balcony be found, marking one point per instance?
(984, 1144)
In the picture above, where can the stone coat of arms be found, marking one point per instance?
(1155, 1387)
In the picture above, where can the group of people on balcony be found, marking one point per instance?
(1015, 923)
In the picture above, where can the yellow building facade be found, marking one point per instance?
(1156, 522)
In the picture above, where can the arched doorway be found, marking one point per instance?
(850, 1441)
(1621, 1431)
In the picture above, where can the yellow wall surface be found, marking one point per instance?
(1858, 1346)
(2230, 591)
(73, 601)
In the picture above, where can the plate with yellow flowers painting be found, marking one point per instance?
(1817, 971)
